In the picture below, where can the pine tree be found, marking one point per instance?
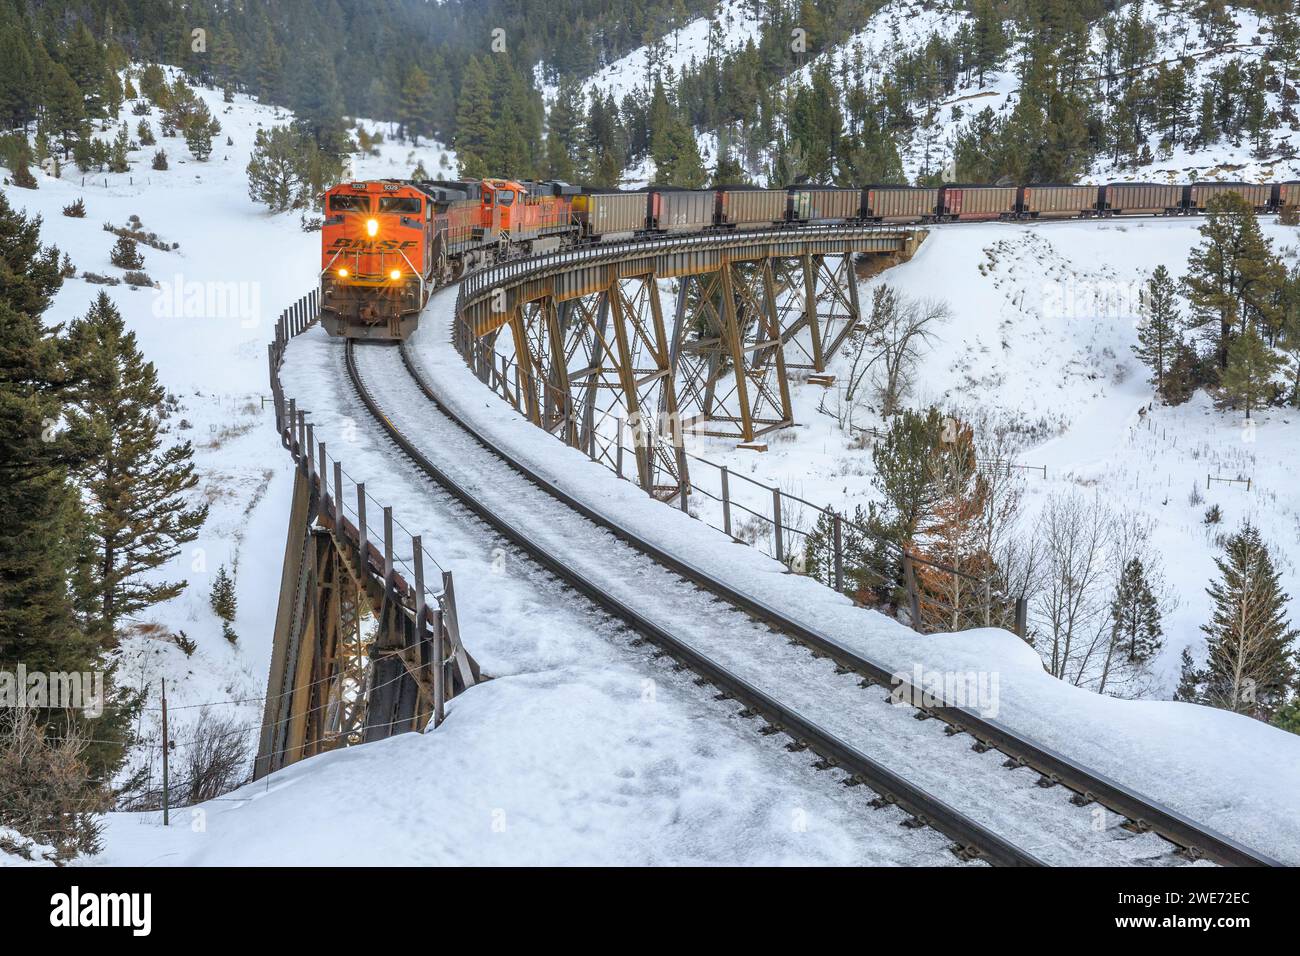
(140, 515)
(1251, 665)
(415, 112)
(1251, 366)
(126, 254)
(474, 132)
(1158, 333)
(42, 523)
(1190, 679)
(118, 162)
(1135, 615)
(1222, 272)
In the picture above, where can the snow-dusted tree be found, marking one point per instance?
(1135, 615)
(899, 327)
(1158, 332)
(1251, 666)
(1251, 366)
(140, 513)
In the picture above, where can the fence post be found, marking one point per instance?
(776, 524)
(726, 501)
(839, 554)
(388, 548)
(618, 455)
(421, 633)
(322, 475)
(338, 496)
(363, 545)
(310, 455)
(988, 603)
(913, 598)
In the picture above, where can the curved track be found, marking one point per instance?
(817, 700)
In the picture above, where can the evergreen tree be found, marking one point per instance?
(1158, 332)
(1251, 666)
(42, 523)
(126, 254)
(416, 110)
(140, 514)
(565, 156)
(474, 131)
(1251, 366)
(1135, 615)
(198, 130)
(1190, 678)
(1225, 272)
(118, 162)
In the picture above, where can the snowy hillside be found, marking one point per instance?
(1039, 342)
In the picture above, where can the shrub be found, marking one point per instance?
(136, 279)
(160, 159)
(216, 757)
(47, 793)
(98, 279)
(144, 132)
(1213, 515)
(75, 210)
(66, 268)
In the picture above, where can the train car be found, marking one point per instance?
(1259, 196)
(979, 203)
(378, 258)
(889, 203)
(674, 211)
(1142, 199)
(609, 217)
(1053, 201)
(1286, 195)
(824, 204)
(741, 207)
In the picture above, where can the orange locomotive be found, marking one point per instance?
(387, 244)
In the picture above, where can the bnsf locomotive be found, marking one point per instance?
(387, 244)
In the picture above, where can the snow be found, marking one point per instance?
(1225, 770)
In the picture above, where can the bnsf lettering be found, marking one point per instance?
(367, 245)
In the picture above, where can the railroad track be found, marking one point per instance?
(830, 735)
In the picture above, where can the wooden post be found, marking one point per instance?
(165, 745)
(839, 554)
(363, 546)
(338, 496)
(726, 501)
(388, 547)
(421, 630)
(914, 599)
(618, 455)
(776, 524)
(1022, 615)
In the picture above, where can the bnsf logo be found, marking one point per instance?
(368, 245)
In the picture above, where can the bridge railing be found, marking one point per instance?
(849, 556)
(374, 541)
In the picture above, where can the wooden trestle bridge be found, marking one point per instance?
(365, 646)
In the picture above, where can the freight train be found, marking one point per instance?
(386, 244)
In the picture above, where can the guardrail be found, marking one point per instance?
(342, 504)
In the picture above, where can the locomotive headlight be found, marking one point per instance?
(395, 274)
(372, 227)
(343, 273)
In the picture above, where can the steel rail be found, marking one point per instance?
(972, 839)
(1197, 840)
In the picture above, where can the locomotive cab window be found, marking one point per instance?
(342, 202)
(505, 197)
(406, 205)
